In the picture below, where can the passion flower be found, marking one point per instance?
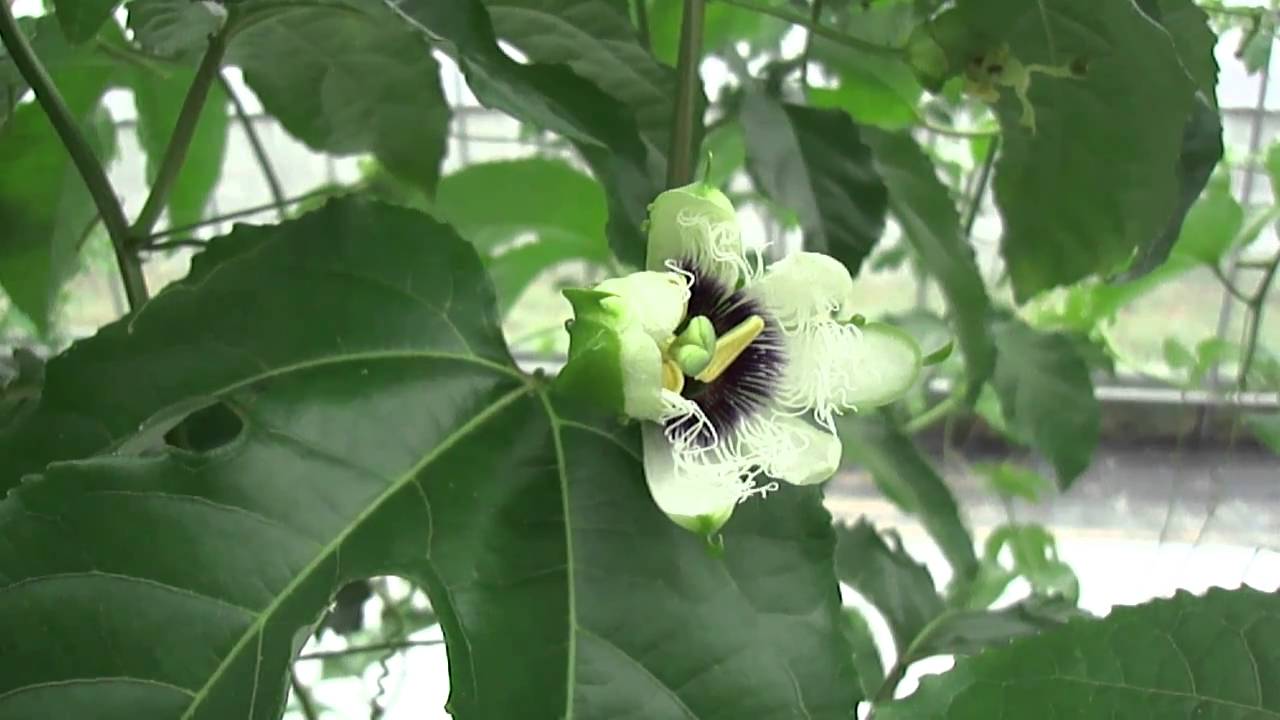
(736, 371)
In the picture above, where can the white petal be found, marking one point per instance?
(832, 367)
(696, 223)
(792, 449)
(655, 300)
(804, 287)
(697, 501)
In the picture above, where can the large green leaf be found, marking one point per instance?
(495, 204)
(899, 587)
(554, 97)
(45, 208)
(815, 163)
(1202, 146)
(1211, 658)
(349, 82)
(359, 349)
(596, 39)
(930, 223)
(1214, 225)
(81, 19)
(1047, 395)
(1079, 193)
(159, 98)
(907, 479)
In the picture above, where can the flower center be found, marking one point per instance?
(746, 366)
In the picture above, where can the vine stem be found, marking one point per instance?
(255, 144)
(183, 132)
(375, 647)
(642, 22)
(817, 28)
(82, 156)
(939, 411)
(815, 19)
(680, 156)
(153, 241)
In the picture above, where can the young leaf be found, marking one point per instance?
(159, 99)
(493, 204)
(1047, 395)
(815, 163)
(359, 351)
(723, 26)
(1202, 146)
(899, 587)
(930, 223)
(1212, 225)
(1213, 657)
(346, 82)
(1078, 192)
(906, 478)
(45, 208)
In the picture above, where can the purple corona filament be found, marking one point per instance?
(749, 384)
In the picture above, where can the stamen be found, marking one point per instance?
(672, 377)
(730, 345)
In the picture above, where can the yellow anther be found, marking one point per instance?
(729, 346)
(672, 377)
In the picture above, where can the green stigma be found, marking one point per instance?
(694, 348)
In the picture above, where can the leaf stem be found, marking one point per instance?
(82, 156)
(255, 144)
(923, 123)
(245, 212)
(680, 156)
(372, 648)
(984, 177)
(1256, 304)
(1226, 283)
(818, 29)
(183, 132)
(938, 412)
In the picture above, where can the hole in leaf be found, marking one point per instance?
(207, 429)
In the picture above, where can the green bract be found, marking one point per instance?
(736, 370)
